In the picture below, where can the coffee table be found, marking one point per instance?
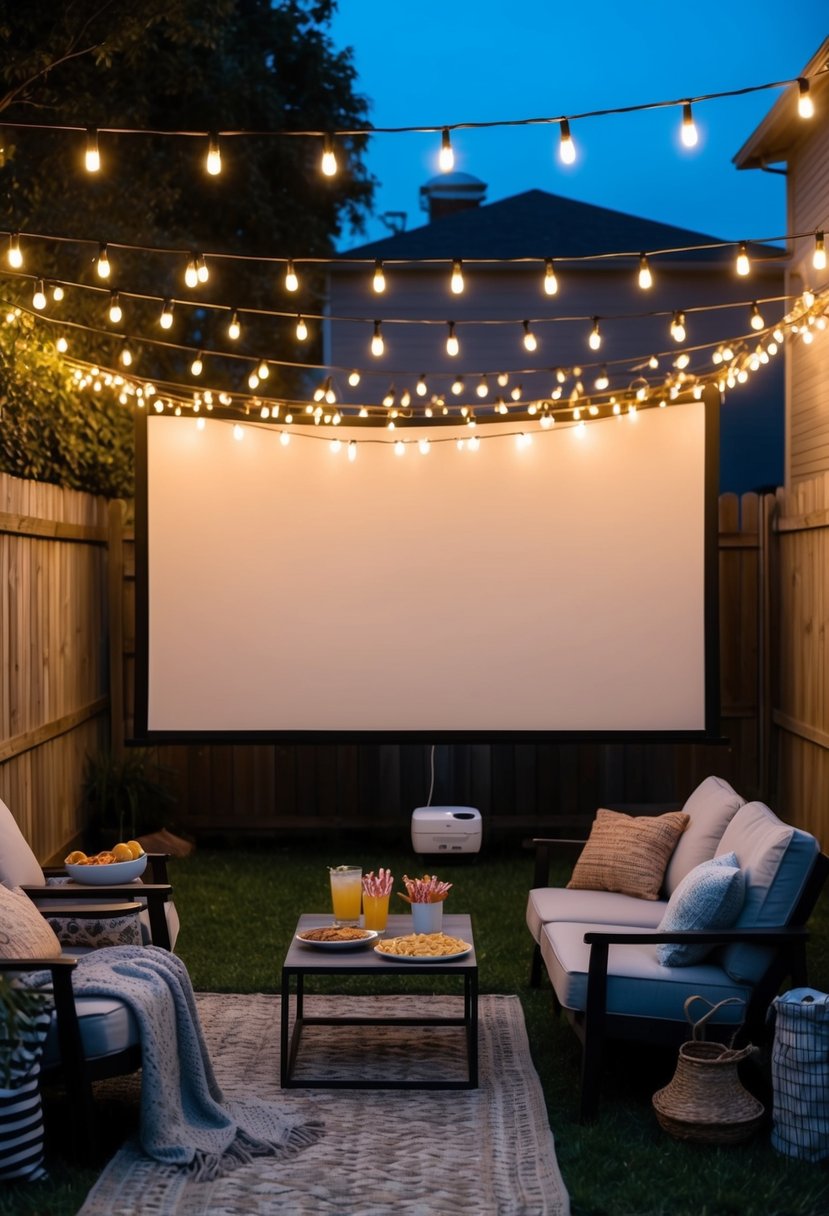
(302, 960)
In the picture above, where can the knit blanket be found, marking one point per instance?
(184, 1118)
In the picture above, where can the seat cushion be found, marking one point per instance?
(106, 1025)
(777, 860)
(710, 809)
(606, 907)
(638, 986)
(709, 897)
(628, 853)
(18, 865)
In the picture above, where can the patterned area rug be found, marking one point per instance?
(484, 1152)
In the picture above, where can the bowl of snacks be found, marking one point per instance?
(124, 862)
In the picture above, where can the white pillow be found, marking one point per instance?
(18, 865)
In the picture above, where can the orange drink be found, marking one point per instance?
(346, 893)
(375, 911)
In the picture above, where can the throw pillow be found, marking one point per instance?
(85, 933)
(23, 931)
(709, 897)
(628, 853)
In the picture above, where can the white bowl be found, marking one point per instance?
(104, 876)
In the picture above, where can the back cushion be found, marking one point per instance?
(18, 865)
(777, 859)
(710, 809)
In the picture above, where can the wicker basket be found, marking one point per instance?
(705, 1100)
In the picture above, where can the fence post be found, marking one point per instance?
(115, 588)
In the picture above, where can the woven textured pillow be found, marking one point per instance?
(709, 897)
(23, 931)
(628, 853)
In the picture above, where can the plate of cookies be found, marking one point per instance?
(336, 937)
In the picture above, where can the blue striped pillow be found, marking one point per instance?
(21, 1111)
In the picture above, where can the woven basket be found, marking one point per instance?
(705, 1100)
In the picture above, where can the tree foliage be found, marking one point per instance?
(167, 66)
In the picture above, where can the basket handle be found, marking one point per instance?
(697, 1026)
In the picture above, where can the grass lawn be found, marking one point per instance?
(239, 907)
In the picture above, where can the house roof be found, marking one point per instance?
(537, 224)
(782, 128)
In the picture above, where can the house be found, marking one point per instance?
(519, 344)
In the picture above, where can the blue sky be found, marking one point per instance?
(429, 62)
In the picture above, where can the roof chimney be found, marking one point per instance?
(450, 192)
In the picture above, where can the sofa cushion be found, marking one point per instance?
(637, 985)
(18, 865)
(628, 853)
(23, 931)
(777, 860)
(710, 809)
(106, 1026)
(709, 897)
(606, 907)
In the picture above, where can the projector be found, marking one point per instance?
(446, 830)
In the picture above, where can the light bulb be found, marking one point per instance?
(688, 131)
(197, 365)
(446, 159)
(126, 355)
(743, 263)
(263, 371)
(805, 105)
(166, 318)
(421, 388)
(602, 380)
(354, 378)
(15, 256)
(202, 272)
(92, 157)
(595, 339)
(103, 262)
(808, 297)
(819, 255)
(328, 164)
(515, 392)
(530, 340)
(550, 280)
(191, 274)
(301, 329)
(253, 381)
(39, 296)
(379, 281)
(757, 321)
(234, 329)
(653, 363)
(57, 292)
(115, 312)
(377, 343)
(678, 327)
(291, 279)
(456, 282)
(482, 388)
(453, 346)
(566, 147)
(62, 345)
(213, 164)
(645, 276)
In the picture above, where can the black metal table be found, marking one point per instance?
(302, 960)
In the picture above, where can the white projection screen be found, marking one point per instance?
(566, 588)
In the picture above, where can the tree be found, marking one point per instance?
(177, 66)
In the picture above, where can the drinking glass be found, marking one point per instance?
(346, 892)
(375, 911)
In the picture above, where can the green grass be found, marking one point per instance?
(239, 907)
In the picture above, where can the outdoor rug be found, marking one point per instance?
(483, 1152)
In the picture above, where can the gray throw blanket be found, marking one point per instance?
(185, 1119)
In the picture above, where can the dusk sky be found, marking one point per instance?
(433, 63)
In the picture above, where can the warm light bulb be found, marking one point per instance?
(550, 280)
(115, 312)
(602, 380)
(197, 365)
(166, 318)
(743, 263)
(446, 159)
(421, 388)
(566, 147)
(92, 158)
(62, 345)
(253, 381)
(39, 296)
(645, 276)
(103, 263)
(202, 273)
(126, 356)
(819, 255)
(263, 371)
(457, 386)
(530, 340)
(57, 292)
(354, 378)
(805, 105)
(457, 277)
(482, 388)
(688, 133)
(301, 329)
(15, 256)
(291, 279)
(595, 339)
(379, 281)
(757, 321)
(234, 329)
(653, 363)
(191, 274)
(808, 297)
(678, 327)
(328, 164)
(453, 346)
(213, 163)
(377, 343)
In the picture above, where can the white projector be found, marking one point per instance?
(446, 829)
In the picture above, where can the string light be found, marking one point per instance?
(263, 371)
(201, 268)
(756, 320)
(457, 386)
(291, 279)
(328, 163)
(166, 318)
(530, 341)
(482, 389)
(550, 280)
(743, 263)
(377, 343)
(566, 147)
(819, 255)
(354, 378)
(197, 366)
(421, 388)
(805, 105)
(102, 264)
(446, 157)
(57, 292)
(92, 157)
(39, 296)
(126, 355)
(595, 339)
(645, 276)
(453, 346)
(115, 311)
(602, 380)
(456, 282)
(688, 131)
(234, 328)
(379, 280)
(301, 329)
(62, 345)
(213, 163)
(191, 274)
(678, 327)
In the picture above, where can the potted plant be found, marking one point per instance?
(126, 795)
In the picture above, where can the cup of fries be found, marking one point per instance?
(376, 892)
(426, 896)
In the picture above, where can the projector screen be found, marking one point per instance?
(562, 588)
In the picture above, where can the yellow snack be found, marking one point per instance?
(75, 858)
(135, 849)
(122, 852)
(423, 945)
